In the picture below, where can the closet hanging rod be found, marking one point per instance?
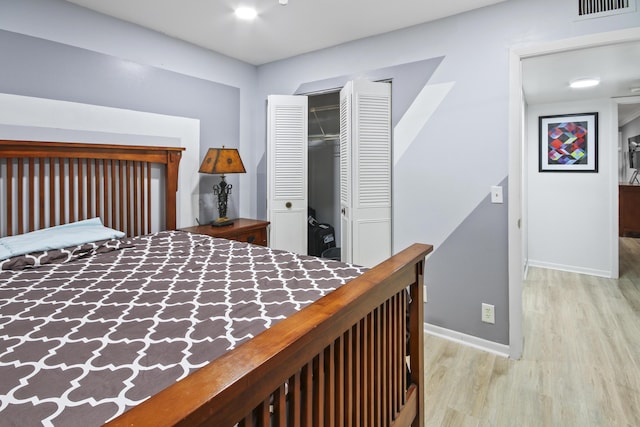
(324, 108)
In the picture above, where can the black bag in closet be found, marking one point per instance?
(320, 237)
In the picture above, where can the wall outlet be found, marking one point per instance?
(488, 313)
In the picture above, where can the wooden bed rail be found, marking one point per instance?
(52, 183)
(339, 362)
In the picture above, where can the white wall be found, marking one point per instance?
(570, 214)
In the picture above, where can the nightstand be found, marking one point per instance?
(242, 230)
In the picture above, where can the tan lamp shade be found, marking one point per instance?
(222, 161)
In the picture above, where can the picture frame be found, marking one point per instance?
(568, 143)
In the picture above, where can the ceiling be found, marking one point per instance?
(279, 31)
(546, 78)
(306, 25)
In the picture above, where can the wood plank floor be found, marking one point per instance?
(580, 364)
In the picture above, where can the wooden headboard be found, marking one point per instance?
(43, 184)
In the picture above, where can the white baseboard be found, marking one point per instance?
(570, 268)
(468, 340)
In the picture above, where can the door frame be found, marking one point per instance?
(517, 157)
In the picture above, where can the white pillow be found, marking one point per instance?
(60, 236)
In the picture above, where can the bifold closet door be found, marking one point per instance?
(287, 154)
(365, 172)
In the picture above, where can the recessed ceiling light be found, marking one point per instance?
(582, 83)
(247, 13)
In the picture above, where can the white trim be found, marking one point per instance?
(468, 340)
(31, 112)
(571, 268)
(516, 142)
(614, 182)
(515, 204)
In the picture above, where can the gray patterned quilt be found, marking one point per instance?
(88, 332)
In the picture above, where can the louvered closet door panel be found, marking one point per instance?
(345, 173)
(368, 143)
(287, 172)
(374, 151)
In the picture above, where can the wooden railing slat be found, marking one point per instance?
(307, 404)
(330, 386)
(340, 380)
(349, 400)
(318, 390)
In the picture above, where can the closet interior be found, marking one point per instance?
(324, 174)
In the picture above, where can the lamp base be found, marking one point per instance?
(222, 222)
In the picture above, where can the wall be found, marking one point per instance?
(56, 50)
(569, 213)
(450, 107)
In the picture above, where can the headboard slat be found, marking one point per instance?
(41, 191)
(148, 229)
(81, 204)
(75, 181)
(52, 192)
(32, 166)
(20, 196)
(61, 195)
(9, 193)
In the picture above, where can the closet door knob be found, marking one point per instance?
(288, 205)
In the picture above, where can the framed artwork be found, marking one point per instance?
(569, 143)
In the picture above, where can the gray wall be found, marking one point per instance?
(442, 176)
(57, 50)
(44, 69)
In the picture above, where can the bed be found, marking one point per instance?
(351, 354)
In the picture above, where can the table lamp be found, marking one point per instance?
(222, 161)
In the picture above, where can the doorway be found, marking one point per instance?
(517, 168)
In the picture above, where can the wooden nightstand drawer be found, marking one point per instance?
(257, 237)
(242, 230)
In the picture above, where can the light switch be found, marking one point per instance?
(496, 194)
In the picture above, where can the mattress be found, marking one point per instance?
(91, 331)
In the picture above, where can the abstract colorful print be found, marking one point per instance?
(567, 143)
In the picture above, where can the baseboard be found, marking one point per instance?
(570, 268)
(468, 340)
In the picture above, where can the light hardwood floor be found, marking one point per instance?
(580, 365)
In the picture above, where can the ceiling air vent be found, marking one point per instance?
(598, 8)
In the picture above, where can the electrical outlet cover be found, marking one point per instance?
(488, 313)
